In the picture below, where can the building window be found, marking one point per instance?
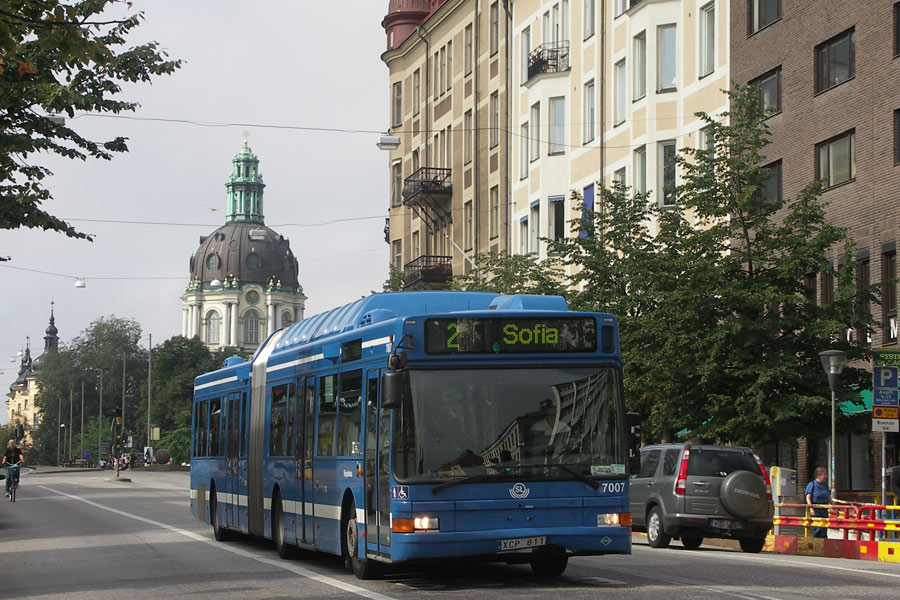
(666, 71)
(523, 236)
(494, 224)
(707, 39)
(557, 218)
(442, 82)
(621, 6)
(435, 83)
(828, 284)
(495, 28)
(469, 51)
(396, 113)
(763, 13)
(897, 29)
(667, 172)
(557, 126)
(769, 91)
(706, 138)
(397, 183)
(619, 177)
(897, 136)
(621, 92)
(535, 131)
(771, 188)
(213, 327)
(863, 280)
(889, 295)
(809, 288)
(449, 81)
(590, 18)
(639, 62)
(525, 53)
(640, 170)
(468, 135)
(286, 319)
(468, 225)
(397, 252)
(586, 208)
(589, 111)
(495, 119)
(523, 151)
(534, 230)
(417, 90)
(213, 262)
(835, 60)
(836, 159)
(251, 327)
(415, 160)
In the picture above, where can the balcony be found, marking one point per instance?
(428, 273)
(428, 192)
(549, 58)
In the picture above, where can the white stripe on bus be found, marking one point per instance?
(295, 363)
(378, 342)
(217, 382)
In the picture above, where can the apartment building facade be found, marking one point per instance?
(607, 91)
(449, 176)
(830, 73)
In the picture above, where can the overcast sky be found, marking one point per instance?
(261, 65)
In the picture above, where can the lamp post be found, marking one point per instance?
(81, 452)
(833, 361)
(99, 414)
(62, 427)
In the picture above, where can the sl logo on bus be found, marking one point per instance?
(519, 491)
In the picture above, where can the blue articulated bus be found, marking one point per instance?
(423, 426)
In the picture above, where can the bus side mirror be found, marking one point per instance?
(393, 384)
(633, 423)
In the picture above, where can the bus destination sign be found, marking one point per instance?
(514, 335)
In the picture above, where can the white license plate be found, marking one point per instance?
(521, 543)
(723, 524)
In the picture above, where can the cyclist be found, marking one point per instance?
(11, 457)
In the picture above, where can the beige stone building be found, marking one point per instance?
(21, 408)
(449, 109)
(607, 96)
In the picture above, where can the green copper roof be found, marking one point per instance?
(245, 188)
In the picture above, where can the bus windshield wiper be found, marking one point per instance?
(470, 479)
(587, 480)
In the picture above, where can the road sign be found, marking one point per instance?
(885, 398)
(884, 377)
(885, 412)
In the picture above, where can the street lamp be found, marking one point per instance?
(388, 142)
(833, 361)
(62, 428)
(99, 414)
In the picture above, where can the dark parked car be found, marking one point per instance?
(693, 492)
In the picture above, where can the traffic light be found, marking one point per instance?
(118, 416)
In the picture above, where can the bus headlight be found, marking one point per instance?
(623, 519)
(427, 524)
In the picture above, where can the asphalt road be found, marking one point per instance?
(79, 535)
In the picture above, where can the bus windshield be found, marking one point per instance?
(512, 423)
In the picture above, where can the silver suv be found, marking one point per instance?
(692, 492)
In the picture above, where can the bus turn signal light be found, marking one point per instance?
(623, 519)
(417, 524)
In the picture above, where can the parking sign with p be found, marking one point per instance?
(884, 377)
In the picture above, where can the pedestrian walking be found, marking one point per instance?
(817, 493)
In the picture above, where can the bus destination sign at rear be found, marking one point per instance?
(510, 336)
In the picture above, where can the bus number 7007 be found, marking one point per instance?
(612, 487)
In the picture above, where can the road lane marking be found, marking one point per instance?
(336, 583)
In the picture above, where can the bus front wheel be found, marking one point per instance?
(362, 568)
(551, 561)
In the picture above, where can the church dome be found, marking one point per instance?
(248, 253)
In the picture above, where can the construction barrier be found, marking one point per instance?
(868, 532)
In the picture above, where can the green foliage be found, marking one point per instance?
(513, 274)
(59, 57)
(394, 282)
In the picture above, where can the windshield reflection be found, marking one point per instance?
(516, 423)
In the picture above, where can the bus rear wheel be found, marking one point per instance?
(284, 549)
(551, 561)
(221, 534)
(362, 568)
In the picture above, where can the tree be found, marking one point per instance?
(58, 57)
(513, 274)
(394, 282)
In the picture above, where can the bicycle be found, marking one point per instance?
(12, 481)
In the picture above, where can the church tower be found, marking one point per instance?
(244, 277)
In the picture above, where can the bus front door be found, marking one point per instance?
(377, 480)
(303, 463)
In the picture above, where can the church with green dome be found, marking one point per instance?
(243, 277)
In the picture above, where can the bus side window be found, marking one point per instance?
(215, 414)
(278, 420)
(327, 416)
(350, 418)
(202, 407)
(245, 423)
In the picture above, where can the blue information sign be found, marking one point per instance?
(885, 398)
(884, 377)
